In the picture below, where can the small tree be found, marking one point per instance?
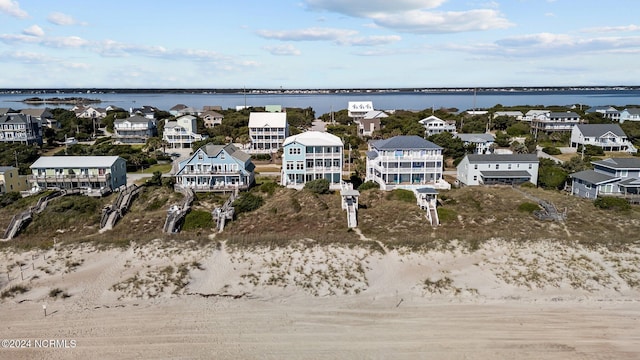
(319, 186)
(247, 202)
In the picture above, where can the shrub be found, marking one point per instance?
(13, 291)
(247, 202)
(591, 150)
(528, 207)
(402, 195)
(446, 215)
(9, 198)
(612, 203)
(551, 150)
(197, 219)
(269, 187)
(368, 185)
(318, 186)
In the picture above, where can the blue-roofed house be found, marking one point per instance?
(216, 168)
(482, 142)
(609, 177)
(610, 137)
(405, 162)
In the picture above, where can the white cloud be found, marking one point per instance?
(12, 8)
(366, 8)
(28, 57)
(443, 22)
(66, 42)
(370, 40)
(59, 18)
(283, 50)
(33, 30)
(309, 34)
(606, 29)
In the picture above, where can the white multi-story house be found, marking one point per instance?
(181, 132)
(312, 155)
(95, 174)
(356, 110)
(482, 142)
(555, 122)
(434, 125)
(630, 114)
(405, 162)
(267, 132)
(535, 114)
(505, 169)
(608, 112)
(134, 130)
(610, 137)
(20, 128)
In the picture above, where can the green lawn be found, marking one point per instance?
(163, 168)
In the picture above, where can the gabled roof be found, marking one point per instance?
(537, 112)
(632, 111)
(179, 107)
(213, 151)
(602, 109)
(74, 162)
(476, 138)
(630, 182)
(431, 118)
(16, 119)
(593, 177)
(134, 119)
(4, 169)
(360, 105)
(35, 112)
(497, 158)
(211, 113)
(266, 119)
(375, 114)
(508, 113)
(7, 111)
(596, 130)
(314, 138)
(619, 163)
(567, 114)
(404, 142)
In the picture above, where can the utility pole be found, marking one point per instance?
(15, 154)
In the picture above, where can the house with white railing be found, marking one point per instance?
(312, 155)
(216, 168)
(609, 137)
(134, 130)
(609, 177)
(102, 174)
(181, 132)
(498, 169)
(555, 122)
(405, 162)
(267, 131)
(434, 125)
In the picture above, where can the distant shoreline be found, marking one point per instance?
(506, 89)
(66, 100)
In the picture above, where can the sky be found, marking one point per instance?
(318, 44)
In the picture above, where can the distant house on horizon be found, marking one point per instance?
(434, 125)
(356, 110)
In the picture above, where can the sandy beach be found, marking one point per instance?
(501, 301)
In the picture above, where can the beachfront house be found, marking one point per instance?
(482, 143)
(609, 137)
(312, 155)
(134, 130)
(498, 169)
(434, 125)
(216, 168)
(267, 131)
(630, 114)
(11, 180)
(20, 128)
(181, 132)
(211, 118)
(609, 177)
(555, 122)
(92, 174)
(608, 112)
(356, 110)
(405, 162)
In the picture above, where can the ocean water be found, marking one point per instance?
(325, 103)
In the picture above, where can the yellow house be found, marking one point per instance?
(10, 181)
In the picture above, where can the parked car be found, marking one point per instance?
(70, 141)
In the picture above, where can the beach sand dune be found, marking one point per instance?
(501, 301)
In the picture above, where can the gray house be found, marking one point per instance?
(609, 177)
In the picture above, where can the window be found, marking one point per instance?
(289, 165)
(475, 166)
(509, 166)
(497, 166)
(475, 177)
(299, 165)
(294, 151)
(530, 166)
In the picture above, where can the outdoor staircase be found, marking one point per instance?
(176, 213)
(112, 213)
